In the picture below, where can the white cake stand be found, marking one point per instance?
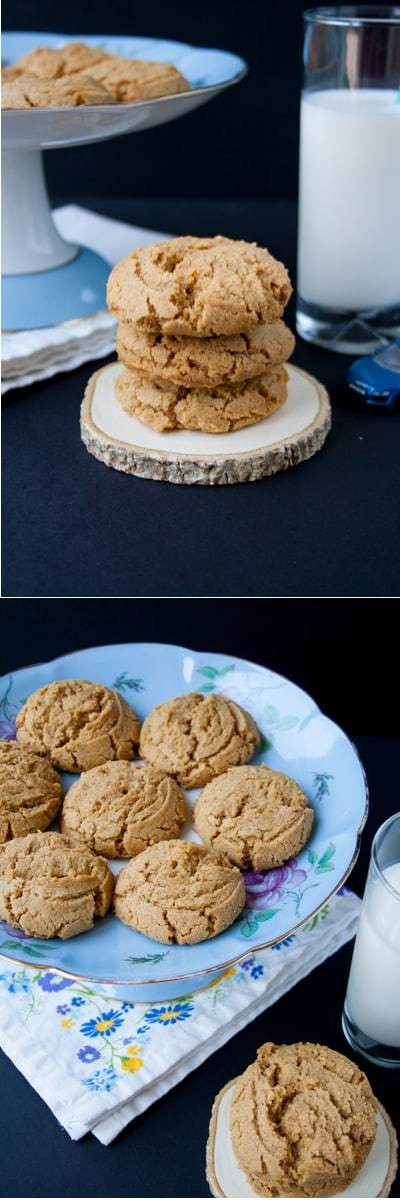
(47, 280)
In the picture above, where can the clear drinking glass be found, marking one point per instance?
(348, 282)
(371, 1014)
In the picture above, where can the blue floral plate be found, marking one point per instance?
(296, 738)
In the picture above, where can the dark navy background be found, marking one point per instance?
(344, 655)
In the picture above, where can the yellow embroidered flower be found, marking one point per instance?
(131, 1064)
(102, 1026)
(135, 1050)
(67, 1023)
(226, 975)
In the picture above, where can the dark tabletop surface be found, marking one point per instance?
(75, 527)
(163, 1152)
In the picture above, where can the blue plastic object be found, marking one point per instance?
(376, 377)
(77, 289)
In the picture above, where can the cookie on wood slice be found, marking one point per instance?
(49, 888)
(198, 286)
(196, 737)
(191, 362)
(79, 724)
(301, 1121)
(177, 892)
(259, 818)
(289, 437)
(120, 808)
(223, 410)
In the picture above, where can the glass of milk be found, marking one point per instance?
(371, 1014)
(348, 275)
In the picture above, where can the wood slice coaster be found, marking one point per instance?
(290, 436)
(226, 1178)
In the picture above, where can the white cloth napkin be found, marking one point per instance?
(36, 354)
(98, 1062)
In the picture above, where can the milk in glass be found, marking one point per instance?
(349, 204)
(373, 993)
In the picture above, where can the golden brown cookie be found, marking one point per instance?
(199, 286)
(178, 892)
(27, 91)
(78, 57)
(79, 724)
(48, 63)
(120, 808)
(221, 410)
(135, 79)
(30, 791)
(51, 889)
(259, 818)
(196, 737)
(9, 73)
(204, 362)
(302, 1120)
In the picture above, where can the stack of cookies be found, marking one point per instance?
(201, 335)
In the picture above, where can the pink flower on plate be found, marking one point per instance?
(266, 887)
(8, 730)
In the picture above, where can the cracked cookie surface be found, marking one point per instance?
(47, 62)
(49, 888)
(223, 410)
(199, 286)
(196, 737)
(131, 79)
(119, 809)
(30, 791)
(178, 892)
(79, 724)
(259, 818)
(204, 362)
(302, 1120)
(29, 91)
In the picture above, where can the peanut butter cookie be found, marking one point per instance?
(30, 791)
(29, 91)
(191, 362)
(257, 817)
(178, 892)
(120, 808)
(199, 286)
(221, 410)
(196, 737)
(51, 889)
(131, 79)
(79, 724)
(302, 1121)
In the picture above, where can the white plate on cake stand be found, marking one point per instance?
(47, 280)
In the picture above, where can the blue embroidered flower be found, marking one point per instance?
(88, 1054)
(51, 982)
(169, 1014)
(77, 1001)
(63, 1009)
(256, 971)
(16, 983)
(285, 942)
(141, 1029)
(102, 1081)
(104, 1024)
(126, 1006)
